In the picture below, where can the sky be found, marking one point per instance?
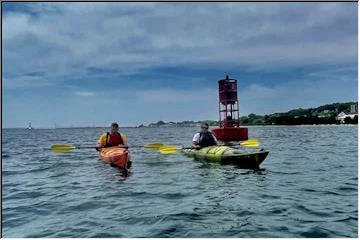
(90, 64)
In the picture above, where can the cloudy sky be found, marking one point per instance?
(85, 64)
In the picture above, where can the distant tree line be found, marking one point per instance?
(325, 114)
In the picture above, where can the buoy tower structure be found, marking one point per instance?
(229, 117)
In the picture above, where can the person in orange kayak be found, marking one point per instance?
(204, 138)
(112, 138)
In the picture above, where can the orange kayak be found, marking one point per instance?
(116, 156)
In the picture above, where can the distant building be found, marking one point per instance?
(341, 116)
(353, 108)
(352, 114)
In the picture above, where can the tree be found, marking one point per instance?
(160, 123)
(258, 121)
(211, 122)
(347, 120)
(355, 120)
(244, 120)
(251, 115)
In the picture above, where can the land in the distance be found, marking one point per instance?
(325, 114)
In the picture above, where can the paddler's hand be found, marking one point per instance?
(99, 147)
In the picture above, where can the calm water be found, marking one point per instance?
(308, 187)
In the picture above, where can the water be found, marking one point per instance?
(308, 187)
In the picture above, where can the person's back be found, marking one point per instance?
(204, 138)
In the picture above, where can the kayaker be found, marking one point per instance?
(204, 138)
(112, 138)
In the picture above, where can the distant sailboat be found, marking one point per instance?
(30, 127)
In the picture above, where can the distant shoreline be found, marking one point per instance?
(211, 127)
(325, 115)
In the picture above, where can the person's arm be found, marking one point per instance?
(195, 145)
(216, 141)
(123, 137)
(101, 142)
(195, 141)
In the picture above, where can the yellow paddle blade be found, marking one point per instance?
(169, 149)
(250, 143)
(61, 148)
(154, 146)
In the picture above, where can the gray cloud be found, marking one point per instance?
(65, 39)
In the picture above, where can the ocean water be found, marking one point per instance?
(306, 187)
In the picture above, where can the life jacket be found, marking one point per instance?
(206, 139)
(113, 140)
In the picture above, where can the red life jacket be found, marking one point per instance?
(113, 140)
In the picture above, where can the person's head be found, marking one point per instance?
(114, 128)
(204, 127)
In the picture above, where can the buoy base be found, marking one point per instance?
(231, 133)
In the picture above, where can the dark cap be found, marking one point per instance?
(114, 124)
(204, 124)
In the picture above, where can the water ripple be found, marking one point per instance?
(307, 187)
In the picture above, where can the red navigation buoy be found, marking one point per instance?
(229, 116)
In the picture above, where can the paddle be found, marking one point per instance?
(169, 149)
(164, 149)
(250, 143)
(62, 148)
(154, 146)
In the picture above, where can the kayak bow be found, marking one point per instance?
(116, 156)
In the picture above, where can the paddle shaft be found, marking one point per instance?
(89, 147)
(62, 148)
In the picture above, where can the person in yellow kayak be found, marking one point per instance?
(204, 138)
(112, 138)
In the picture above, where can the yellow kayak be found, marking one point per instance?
(228, 155)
